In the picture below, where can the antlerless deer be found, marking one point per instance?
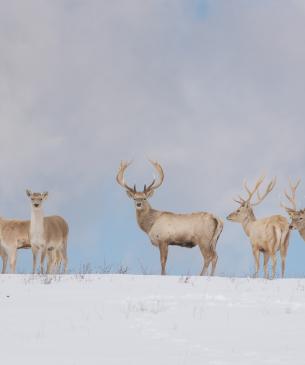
(14, 234)
(267, 235)
(48, 235)
(165, 228)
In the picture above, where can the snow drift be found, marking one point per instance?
(122, 319)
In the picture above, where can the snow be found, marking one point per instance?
(124, 319)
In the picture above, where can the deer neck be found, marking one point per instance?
(248, 222)
(146, 217)
(36, 226)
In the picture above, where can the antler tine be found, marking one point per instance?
(257, 185)
(291, 201)
(147, 188)
(240, 201)
(292, 198)
(120, 175)
(269, 188)
(295, 186)
(246, 188)
(159, 169)
(284, 206)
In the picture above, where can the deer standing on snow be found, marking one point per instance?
(267, 235)
(14, 235)
(297, 216)
(169, 229)
(48, 235)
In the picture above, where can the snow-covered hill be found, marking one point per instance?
(122, 319)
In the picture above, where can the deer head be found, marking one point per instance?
(297, 216)
(245, 205)
(140, 197)
(36, 198)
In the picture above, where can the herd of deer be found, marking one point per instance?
(267, 235)
(47, 236)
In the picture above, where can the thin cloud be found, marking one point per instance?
(215, 98)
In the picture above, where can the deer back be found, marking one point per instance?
(183, 228)
(15, 232)
(268, 230)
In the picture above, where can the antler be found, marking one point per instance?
(153, 185)
(292, 198)
(270, 187)
(241, 200)
(120, 176)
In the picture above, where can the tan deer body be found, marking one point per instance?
(48, 235)
(267, 235)
(170, 229)
(14, 235)
(186, 230)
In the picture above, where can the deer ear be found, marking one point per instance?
(45, 195)
(149, 194)
(28, 192)
(129, 193)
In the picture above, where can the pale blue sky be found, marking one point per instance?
(213, 90)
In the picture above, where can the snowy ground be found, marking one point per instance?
(122, 319)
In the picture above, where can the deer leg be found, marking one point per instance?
(283, 251)
(163, 257)
(214, 262)
(65, 257)
(205, 266)
(58, 261)
(283, 266)
(256, 259)
(50, 262)
(4, 262)
(42, 258)
(34, 252)
(273, 258)
(49, 265)
(13, 259)
(266, 259)
(206, 261)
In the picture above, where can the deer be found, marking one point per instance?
(297, 216)
(166, 229)
(48, 235)
(267, 235)
(14, 235)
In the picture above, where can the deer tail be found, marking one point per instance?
(217, 233)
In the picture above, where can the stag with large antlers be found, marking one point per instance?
(297, 216)
(169, 229)
(267, 235)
